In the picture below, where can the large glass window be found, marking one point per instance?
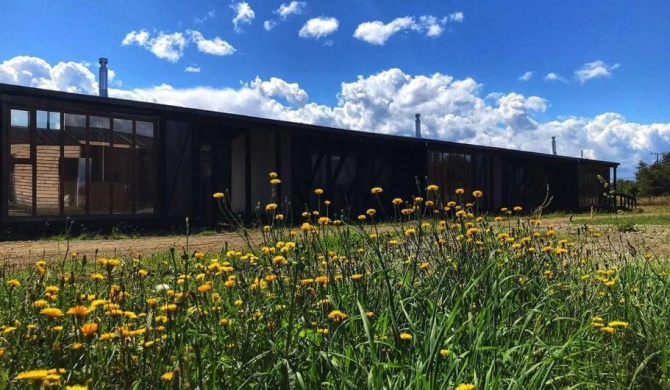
(20, 194)
(77, 164)
(146, 166)
(47, 157)
(74, 164)
(99, 153)
(121, 167)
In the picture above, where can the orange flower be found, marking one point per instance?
(79, 311)
(52, 312)
(89, 328)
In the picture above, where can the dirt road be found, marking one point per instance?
(22, 252)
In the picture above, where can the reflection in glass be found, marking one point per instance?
(121, 167)
(47, 142)
(144, 158)
(73, 164)
(99, 162)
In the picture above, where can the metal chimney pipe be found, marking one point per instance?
(553, 145)
(418, 126)
(102, 84)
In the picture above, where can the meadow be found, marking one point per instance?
(441, 297)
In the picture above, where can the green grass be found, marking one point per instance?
(423, 304)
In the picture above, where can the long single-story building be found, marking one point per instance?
(103, 161)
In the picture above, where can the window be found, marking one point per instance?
(77, 164)
(74, 164)
(20, 195)
(47, 158)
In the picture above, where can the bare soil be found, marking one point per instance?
(25, 252)
(651, 239)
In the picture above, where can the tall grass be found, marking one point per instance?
(439, 298)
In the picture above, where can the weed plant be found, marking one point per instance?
(440, 298)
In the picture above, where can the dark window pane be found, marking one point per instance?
(73, 164)
(47, 159)
(146, 169)
(100, 153)
(121, 167)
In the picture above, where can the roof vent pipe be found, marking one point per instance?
(418, 126)
(553, 145)
(102, 84)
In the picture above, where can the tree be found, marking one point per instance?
(629, 187)
(654, 179)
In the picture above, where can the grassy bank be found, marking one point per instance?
(440, 298)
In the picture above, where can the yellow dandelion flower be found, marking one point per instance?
(405, 336)
(376, 190)
(167, 377)
(396, 201)
(444, 352)
(465, 386)
(459, 191)
(52, 312)
(337, 315)
(318, 191)
(14, 283)
(615, 324)
(89, 328)
(217, 195)
(79, 311)
(432, 187)
(271, 207)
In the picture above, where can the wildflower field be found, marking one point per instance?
(441, 297)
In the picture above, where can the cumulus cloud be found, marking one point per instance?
(527, 76)
(377, 32)
(165, 46)
(216, 46)
(284, 11)
(243, 14)
(555, 77)
(385, 102)
(292, 8)
(171, 46)
(592, 70)
(192, 69)
(319, 27)
(269, 24)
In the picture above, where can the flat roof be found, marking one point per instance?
(30, 92)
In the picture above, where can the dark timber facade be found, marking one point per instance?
(102, 161)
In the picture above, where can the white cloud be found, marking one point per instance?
(192, 69)
(292, 8)
(165, 46)
(592, 70)
(216, 46)
(456, 17)
(269, 24)
(319, 27)
(527, 76)
(454, 110)
(555, 77)
(171, 46)
(243, 14)
(377, 32)
(202, 20)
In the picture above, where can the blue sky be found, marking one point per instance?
(596, 71)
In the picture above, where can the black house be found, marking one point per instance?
(101, 161)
